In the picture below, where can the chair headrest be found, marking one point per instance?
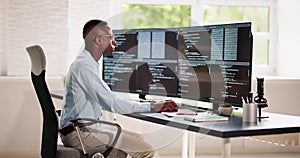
(38, 59)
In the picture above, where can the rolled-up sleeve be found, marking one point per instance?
(101, 95)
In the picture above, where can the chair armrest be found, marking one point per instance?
(119, 130)
(58, 112)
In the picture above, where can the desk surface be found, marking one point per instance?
(234, 127)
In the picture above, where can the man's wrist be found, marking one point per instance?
(152, 107)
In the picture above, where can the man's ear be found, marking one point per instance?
(98, 40)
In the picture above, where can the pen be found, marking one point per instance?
(186, 113)
(250, 97)
(243, 100)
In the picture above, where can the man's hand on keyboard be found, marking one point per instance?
(165, 106)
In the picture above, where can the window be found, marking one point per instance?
(178, 13)
(258, 15)
(143, 15)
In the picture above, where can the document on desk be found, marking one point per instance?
(180, 113)
(205, 117)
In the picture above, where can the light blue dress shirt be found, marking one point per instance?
(86, 94)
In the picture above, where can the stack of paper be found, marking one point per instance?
(180, 113)
(205, 117)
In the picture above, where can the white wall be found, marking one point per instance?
(288, 38)
(282, 95)
(21, 115)
(79, 13)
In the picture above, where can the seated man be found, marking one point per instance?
(86, 95)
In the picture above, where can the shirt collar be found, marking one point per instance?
(90, 58)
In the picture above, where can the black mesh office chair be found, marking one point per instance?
(49, 147)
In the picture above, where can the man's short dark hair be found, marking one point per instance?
(90, 26)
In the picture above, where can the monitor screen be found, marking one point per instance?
(205, 63)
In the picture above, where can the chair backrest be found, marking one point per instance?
(50, 119)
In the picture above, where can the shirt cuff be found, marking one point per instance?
(147, 104)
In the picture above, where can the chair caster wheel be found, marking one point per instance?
(97, 155)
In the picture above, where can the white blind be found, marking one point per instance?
(33, 22)
(3, 24)
(56, 25)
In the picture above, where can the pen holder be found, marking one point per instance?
(250, 112)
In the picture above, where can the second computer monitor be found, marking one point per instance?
(207, 63)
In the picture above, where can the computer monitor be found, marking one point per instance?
(145, 61)
(210, 63)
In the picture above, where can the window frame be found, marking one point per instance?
(197, 17)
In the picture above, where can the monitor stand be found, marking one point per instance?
(260, 106)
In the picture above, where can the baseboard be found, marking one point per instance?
(19, 155)
(217, 151)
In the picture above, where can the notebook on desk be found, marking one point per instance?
(205, 117)
(195, 104)
(180, 113)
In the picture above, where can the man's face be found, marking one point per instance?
(108, 41)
